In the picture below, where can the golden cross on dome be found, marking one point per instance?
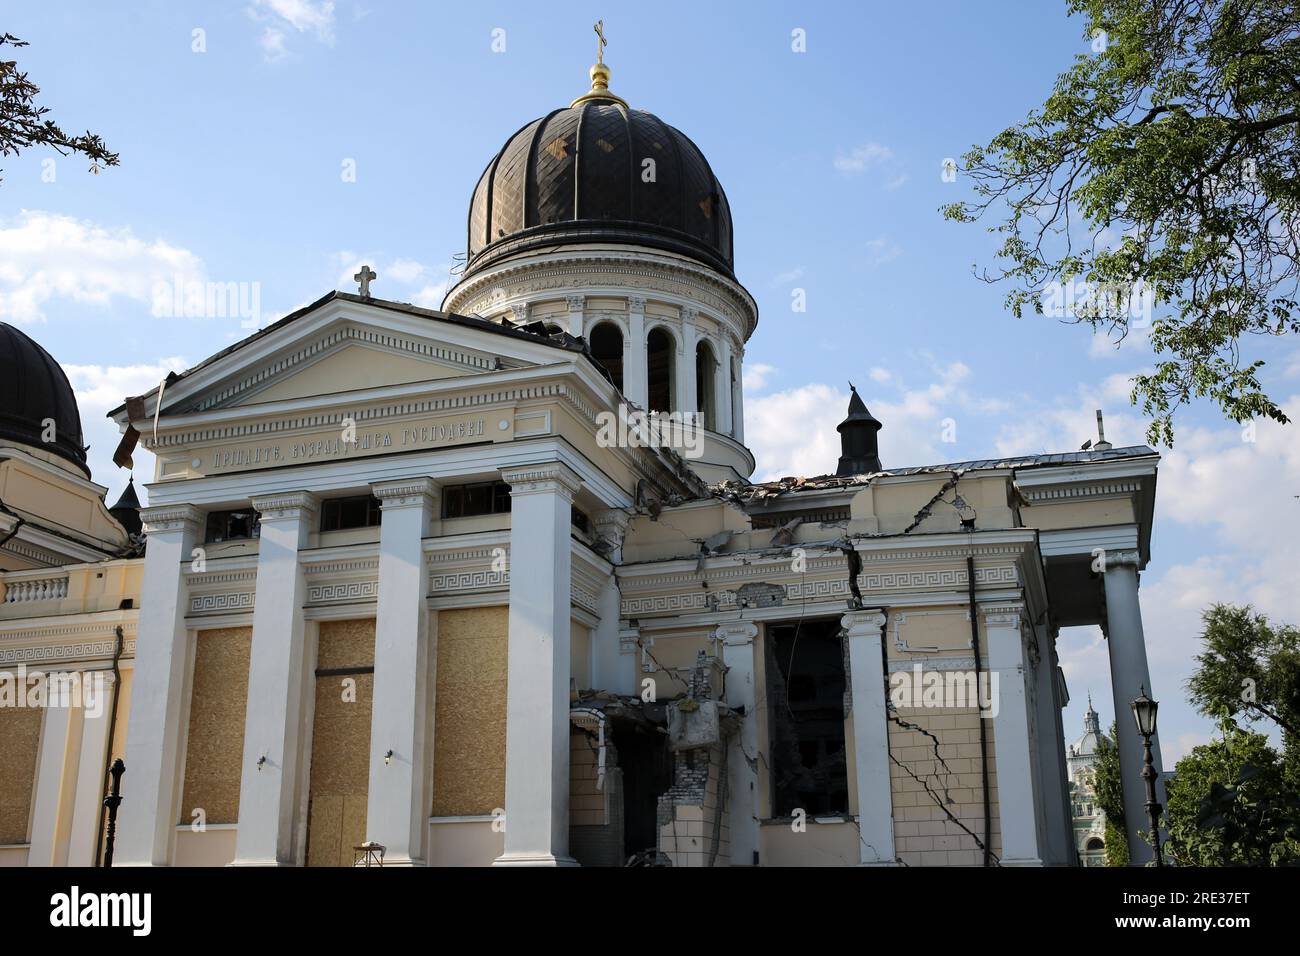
(601, 42)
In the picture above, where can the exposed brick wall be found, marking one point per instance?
(595, 814)
(924, 835)
(692, 816)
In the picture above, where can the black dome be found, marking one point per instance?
(576, 175)
(33, 388)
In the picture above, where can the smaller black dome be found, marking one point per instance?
(33, 389)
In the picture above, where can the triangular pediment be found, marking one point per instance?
(352, 367)
(342, 344)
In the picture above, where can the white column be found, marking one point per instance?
(276, 685)
(686, 386)
(1128, 677)
(609, 670)
(722, 385)
(636, 381)
(871, 737)
(537, 696)
(1012, 745)
(577, 305)
(1059, 849)
(56, 777)
(150, 786)
(737, 641)
(91, 764)
(398, 807)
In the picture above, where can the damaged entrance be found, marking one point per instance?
(806, 685)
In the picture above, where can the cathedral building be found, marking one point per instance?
(492, 584)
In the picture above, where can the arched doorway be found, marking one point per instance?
(706, 391)
(661, 350)
(606, 342)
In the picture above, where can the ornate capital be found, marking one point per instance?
(291, 505)
(1118, 559)
(1006, 614)
(576, 302)
(636, 303)
(863, 623)
(519, 312)
(404, 492)
(164, 518)
(547, 478)
(689, 315)
(612, 525)
(736, 633)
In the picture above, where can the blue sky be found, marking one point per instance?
(233, 163)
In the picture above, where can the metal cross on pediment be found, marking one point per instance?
(601, 42)
(364, 277)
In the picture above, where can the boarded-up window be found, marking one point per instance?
(469, 763)
(340, 745)
(214, 749)
(20, 744)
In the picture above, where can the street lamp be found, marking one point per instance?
(1144, 713)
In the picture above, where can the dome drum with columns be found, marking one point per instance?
(607, 223)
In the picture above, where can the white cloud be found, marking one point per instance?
(45, 256)
(1071, 420)
(98, 389)
(792, 432)
(790, 275)
(314, 17)
(756, 375)
(406, 271)
(897, 181)
(272, 43)
(430, 296)
(882, 250)
(861, 158)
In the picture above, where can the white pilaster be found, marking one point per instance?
(1128, 677)
(276, 684)
(91, 764)
(537, 697)
(636, 381)
(738, 397)
(150, 786)
(871, 737)
(577, 305)
(609, 670)
(686, 385)
(398, 807)
(1012, 743)
(722, 385)
(56, 777)
(737, 639)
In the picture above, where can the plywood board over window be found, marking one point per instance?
(214, 749)
(20, 745)
(469, 762)
(340, 746)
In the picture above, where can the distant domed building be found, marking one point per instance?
(1089, 820)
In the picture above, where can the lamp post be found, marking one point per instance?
(1144, 713)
